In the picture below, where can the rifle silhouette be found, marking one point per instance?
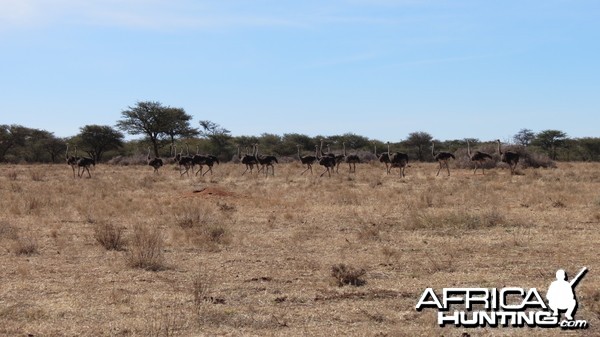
(577, 277)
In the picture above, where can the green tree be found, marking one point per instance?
(420, 141)
(219, 138)
(12, 136)
(589, 148)
(99, 139)
(44, 146)
(178, 124)
(156, 122)
(550, 141)
(524, 137)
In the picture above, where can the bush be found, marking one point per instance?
(109, 236)
(344, 274)
(146, 249)
(25, 246)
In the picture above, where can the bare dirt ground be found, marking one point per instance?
(247, 255)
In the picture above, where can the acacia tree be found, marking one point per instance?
(218, 136)
(421, 141)
(12, 136)
(44, 146)
(156, 122)
(550, 141)
(524, 137)
(99, 139)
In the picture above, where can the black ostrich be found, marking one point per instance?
(248, 160)
(509, 157)
(156, 163)
(328, 162)
(442, 158)
(266, 162)
(351, 159)
(384, 158)
(478, 158)
(397, 159)
(307, 160)
(84, 164)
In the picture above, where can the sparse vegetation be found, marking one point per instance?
(230, 255)
(146, 248)
(25, 245)
(347, 275)
(109, 236)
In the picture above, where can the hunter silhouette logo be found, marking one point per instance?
(561, 294)
(507, 307)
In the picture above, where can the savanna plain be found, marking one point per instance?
(131, 253)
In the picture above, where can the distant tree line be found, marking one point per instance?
(164, 129)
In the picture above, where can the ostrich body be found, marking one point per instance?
(185, 162)
(352, 160)
(210, 161)
(478, 158)
(202, 160)
(339, 158)
(327, 161)
(247, 160)
(83, 164)
(266, 162)
(156, 163)
(384, 158)
(509, 157)
(442, 158)
(397, 159)
(307, 160)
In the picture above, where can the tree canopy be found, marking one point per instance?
(156, 122)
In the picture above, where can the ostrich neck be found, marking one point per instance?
(468, 149)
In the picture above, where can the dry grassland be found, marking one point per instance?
(130, 253)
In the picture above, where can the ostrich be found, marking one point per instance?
(509, 157)
(307, 160)
(247, 160)
(478, 158)
(156, 163)
(72, 160)
(350, 159)
(84, 164)
(339, 158)
(265, 162)
(442, 158)
(183, 161)
(328, 162)
(210, 162)
(199, 160)
(384, 158)
(397, 159)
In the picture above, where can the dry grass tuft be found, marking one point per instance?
(12, 175)
(347, 275)
(8, 231)
(109, 236)
(146, 249)
(37, 175)
(26, 245)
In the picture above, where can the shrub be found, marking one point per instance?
(25, 246)
(146, 249)
(344, 274)
(109, 236)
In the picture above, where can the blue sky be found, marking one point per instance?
(377, 68)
